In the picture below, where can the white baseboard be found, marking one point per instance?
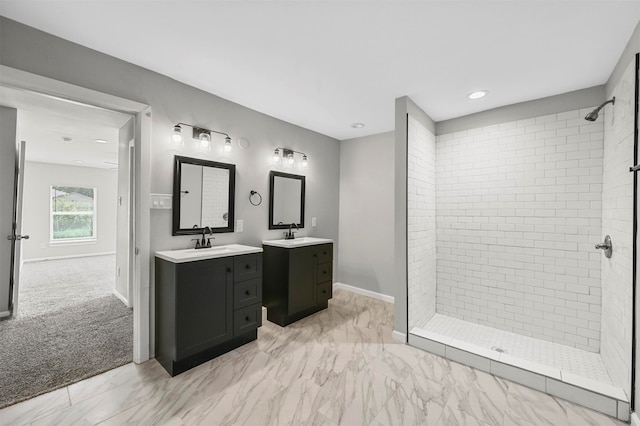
(5, 314)
(399, 337)
(67, 257)
(369, 293)
(635, 420)
(121, 297)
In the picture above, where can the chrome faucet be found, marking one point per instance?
(289, 235)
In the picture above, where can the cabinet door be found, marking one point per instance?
(204, 305)
(302, 270)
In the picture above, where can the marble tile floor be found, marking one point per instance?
(337, 367)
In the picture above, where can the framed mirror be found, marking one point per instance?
(286, 200)
(203, 195)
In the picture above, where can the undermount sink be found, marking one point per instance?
(297, 242)
(189, 255)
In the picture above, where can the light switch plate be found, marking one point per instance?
(161, 201)
(239, 225)
(314, 221)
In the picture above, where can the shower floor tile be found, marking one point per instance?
(582, 363)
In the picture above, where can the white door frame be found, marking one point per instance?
(142, 114)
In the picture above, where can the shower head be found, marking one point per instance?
(593, 115)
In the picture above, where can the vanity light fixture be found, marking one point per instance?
(201, 134)
(357, 125)
(100, 141)
(289, 155)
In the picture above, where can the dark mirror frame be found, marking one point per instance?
(272, 176)
(177, 171)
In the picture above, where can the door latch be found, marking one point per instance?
(17, 237)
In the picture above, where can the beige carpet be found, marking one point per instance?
(63, 336)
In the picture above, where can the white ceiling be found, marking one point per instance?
(327, 64)
(44, 122)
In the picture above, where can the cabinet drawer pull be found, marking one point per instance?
(247, 318)
(247, 292)
(324, 291)
(228, 269)
(324, 252)
(324, 272)
(315, 254)
(248, 266)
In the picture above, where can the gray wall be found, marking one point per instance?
(521, 111)
(8, 128)
(367, 213)
(38, 179)
(40, 53)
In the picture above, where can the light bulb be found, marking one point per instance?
(305, 162)
(205, 141)
(276, 156)
(290, 159)
(177, 135)
(227, 144)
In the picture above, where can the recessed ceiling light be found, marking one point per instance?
(66, 139)
(101, 141)
(78, 161)
(477, 94)
(357, 125)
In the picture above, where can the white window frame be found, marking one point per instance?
(70, 241)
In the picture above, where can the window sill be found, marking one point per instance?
(73, 242)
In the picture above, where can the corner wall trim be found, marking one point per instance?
(400, 337)
(121, 297)
(369, 293)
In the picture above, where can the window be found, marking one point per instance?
(73, 213)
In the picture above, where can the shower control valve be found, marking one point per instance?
(606, 246)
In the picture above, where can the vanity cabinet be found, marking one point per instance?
(298, 281)
(204, 308)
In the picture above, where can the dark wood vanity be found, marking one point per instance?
(204, 308)
(298, 280)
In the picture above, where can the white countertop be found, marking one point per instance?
(297, 242)
(190, 255)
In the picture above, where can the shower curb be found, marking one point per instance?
(601, 397)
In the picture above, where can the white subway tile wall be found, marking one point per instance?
(215, 184)
(421, 200)
(518, 211)
(617, 221)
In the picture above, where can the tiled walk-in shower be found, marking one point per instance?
(503, 272)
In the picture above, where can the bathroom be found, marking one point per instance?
(339, 177)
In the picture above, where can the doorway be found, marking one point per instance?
(70, 306)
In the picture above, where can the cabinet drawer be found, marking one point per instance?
(324, 272)
(324, 253)
(324, 292)
(247, 267)
(247, 293)
(247, 319)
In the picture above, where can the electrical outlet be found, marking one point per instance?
(239, 225)
(314, 221)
